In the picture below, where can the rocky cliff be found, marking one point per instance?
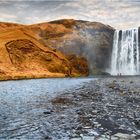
(23, 55)
(91, 40)
(55, 49)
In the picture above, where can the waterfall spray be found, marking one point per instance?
(126, 53)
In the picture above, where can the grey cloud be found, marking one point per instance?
(117, 13)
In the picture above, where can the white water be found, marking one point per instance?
(126, 53)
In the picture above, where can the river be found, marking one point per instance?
(23, 102)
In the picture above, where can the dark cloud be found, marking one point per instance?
(117, 13)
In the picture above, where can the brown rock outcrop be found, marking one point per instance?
(24, 56)
(54, 49)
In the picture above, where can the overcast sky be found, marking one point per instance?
(117, 13)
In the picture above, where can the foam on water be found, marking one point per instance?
(126, 53)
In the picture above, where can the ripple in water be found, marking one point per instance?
(22, 104)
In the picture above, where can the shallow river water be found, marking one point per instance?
(23, 102)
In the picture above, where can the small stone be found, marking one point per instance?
(94, 133)
(137, 121)
(47, 138)
(101, 128)
(76, 138)
(102, 138)
(138, 131)
(79, 128)
(80, 112)
(98, 125)
(116, 88)
(87, 127)
(137, 137)
(94, 112)
(131, 82)
(47, 112)
(111, 86)
(95, 123)
(114, 138)
(74, 135)
(125, 136)
(111, 105)
(88, 137)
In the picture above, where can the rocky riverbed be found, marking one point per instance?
(101, 109)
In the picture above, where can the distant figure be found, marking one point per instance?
(119, 74)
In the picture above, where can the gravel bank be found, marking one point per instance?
(108, 108)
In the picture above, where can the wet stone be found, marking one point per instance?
(131, 82)
(76, 138)
(137, 137)
(137, 121)
(88, 138)
(87, 127)
(47, 138)
(48, 112)
(125, 136)
(114, 138)
(102, 138)
(99, 113)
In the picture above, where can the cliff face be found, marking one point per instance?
(91, 40)
(55, 49)
(23, 55)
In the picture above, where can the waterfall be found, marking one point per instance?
(126, 53)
